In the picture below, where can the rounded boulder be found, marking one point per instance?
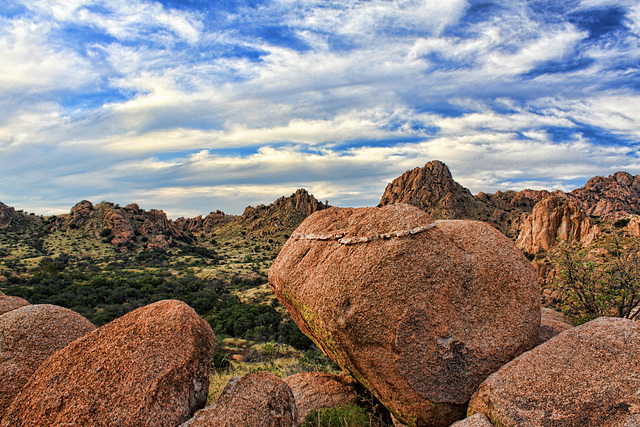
(318, 390)
(586, 376)
(28, 336)
(149, 367)
(8, 303)
(417, 311)
(253, 400)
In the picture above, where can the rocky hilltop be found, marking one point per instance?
(615, 196)
(432, 189)
(534, 217)
(131, 227)
(10, 218)
(124, 227)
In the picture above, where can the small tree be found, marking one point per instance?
(602, 280)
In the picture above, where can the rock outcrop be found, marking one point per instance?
(555, 218)
(254, 400)
(587, 376)
(147, 368)
(28, 336)
(8, 303)
(418, 312)
(432, 189)
(124, 228)
(552, 323)
(318, 390)
(7, 216)
(207, 224)
(615, 196)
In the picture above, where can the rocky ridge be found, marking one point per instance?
(130, 227)
(534, 217)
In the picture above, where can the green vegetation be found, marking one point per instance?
(349, 415)
(600, 280)
(280, 359)
(222, 275)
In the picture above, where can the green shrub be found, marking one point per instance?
(349, 415)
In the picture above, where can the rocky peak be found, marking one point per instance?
(301, 201)
(7, 216)
(432, 189)
(285, 214)
(555, 217)
(615, 196)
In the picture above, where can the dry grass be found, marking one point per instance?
(281, 360)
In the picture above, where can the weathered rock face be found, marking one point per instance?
(317, 390)
(8, 303)
(147, 368)
(7, 215)
(418, 312)
(121, 226)
(587, 376)
(432, 189)
(28, 336)
(207, 224)
(552, 323)
(254, 400)
(552, 218)
(615, 196)
(477, 420)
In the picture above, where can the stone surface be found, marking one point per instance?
(317, 390)
(254, 400)
(8, 303)
(552, 323)
(555, 218)
(615, 196)
(28, 336)
(477, 420)
(587, 376)
(147, 368)
(418, 312)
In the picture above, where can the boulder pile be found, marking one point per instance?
(419, 312)
(147, 368)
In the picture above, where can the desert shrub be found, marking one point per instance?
(349, 415)
(602, 280)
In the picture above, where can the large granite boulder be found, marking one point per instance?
(587, 376)
(419, 312)
(147, 368)
(28, 336)
(253, 400)
(8, 303)
(318, 390)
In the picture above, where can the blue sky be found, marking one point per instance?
(191, 106)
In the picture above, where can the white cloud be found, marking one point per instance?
(124, 20)
(362, 20)
(552, 46)
(634, 19)
(30, 63)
